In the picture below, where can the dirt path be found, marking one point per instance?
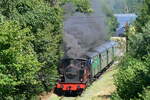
(99, 90)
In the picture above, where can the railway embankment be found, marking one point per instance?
(101, 89)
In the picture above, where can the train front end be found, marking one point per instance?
(74, 75)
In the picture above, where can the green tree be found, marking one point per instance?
(143, 16)
(134, 85)
(18, 61)
(111, 19)
(46, 27)
(139, 43)
(30, 40)
(83, 6)
(125, 6)
(132, 80)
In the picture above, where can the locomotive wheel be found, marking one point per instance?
(58, 91)
(80, 92)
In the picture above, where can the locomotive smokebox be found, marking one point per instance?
(72, 73)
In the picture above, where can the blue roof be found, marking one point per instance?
(123, 19)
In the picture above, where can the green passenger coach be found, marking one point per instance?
(102, 57)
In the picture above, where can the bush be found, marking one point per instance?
(131, 79)
(30, 39)
(115, 96)
(145, 95)
(139, 43)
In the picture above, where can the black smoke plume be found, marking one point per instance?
(82, 32)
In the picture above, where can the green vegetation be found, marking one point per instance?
(83, 6)
(125, 6)
(111, 20)
(18, 61)
(132, 80)
(30, 39)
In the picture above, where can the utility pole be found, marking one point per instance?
(127, 38)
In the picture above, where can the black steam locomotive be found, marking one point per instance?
(76, 74)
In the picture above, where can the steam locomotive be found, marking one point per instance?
(78, 73)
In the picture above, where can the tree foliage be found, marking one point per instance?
(83, 6)
(140, 42)
(126, 6)
(18, 61)
(132, 80)
(111, 20)
(30, 39)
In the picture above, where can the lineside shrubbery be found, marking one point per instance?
(132, 80)
(30, 39)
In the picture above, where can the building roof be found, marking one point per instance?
(124, 19)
